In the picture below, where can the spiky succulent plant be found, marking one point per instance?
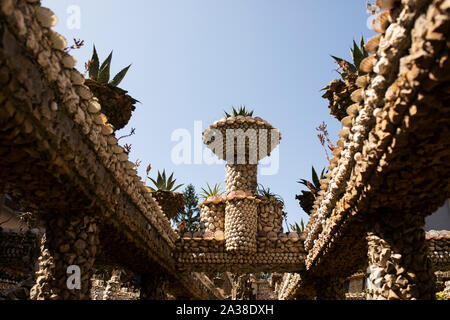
(116, 104)
(162, 183)
(211, 192)
(307, 198)
(339, 91)
(101, 73)
(241, 111)
(265, 192)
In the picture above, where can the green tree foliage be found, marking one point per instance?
(191, 215)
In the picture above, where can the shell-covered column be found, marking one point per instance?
(270, 216)
(398, 263)
(68, 250)
(241, 177)
(241, 218)
(212, 216)
(241, 141)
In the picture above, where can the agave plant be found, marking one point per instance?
(163, 183)
(241, 111)
(307, 198)
(101, 73)
(339, 91)
(116, 104)
(211, 192)
(265, 192)
(299, 228)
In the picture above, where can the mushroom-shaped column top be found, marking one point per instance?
(241, 140)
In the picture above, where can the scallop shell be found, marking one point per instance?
(363, 81)
(372, 44)
(357, 95)
(344, 132)
(381, 22)
(386, 4)
(367, 64)
(353, 110)
(347, 122)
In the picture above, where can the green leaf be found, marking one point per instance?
(315, 178)
(155, 183)
(107, 62)
(325, 89)
(177, 187)
(358, 56)
(105, 68)
(93, 70)
(104, 75)
(119, 77)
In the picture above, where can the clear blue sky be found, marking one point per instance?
(194, 58)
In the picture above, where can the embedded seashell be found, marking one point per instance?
(367, 64)
(386, 4)
(381, 22)
(46, 17)
(347, 122)
(218, 235)
(107, 130)
(258, 119)
(344, 133)
(76, 78)
(337, 153)
(100, 118)
(57, 40)
(353, 110)
(358, 157)
(357, 95)
(69, 62)
(231, 120)
(187, 235)
(363, 81)
(372, 44)
(94, 106)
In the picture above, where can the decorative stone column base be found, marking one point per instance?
(330, 288)
(241, 177)
(212, 217)
(153, 287)
(397, 254)
(69, 240)
(241, 218)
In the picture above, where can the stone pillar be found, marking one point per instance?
(241, 218)
(330, 288)
(212, 217)
(112, 289)
(241, 177)
(397, 254)
(153, 287)
(70, 240)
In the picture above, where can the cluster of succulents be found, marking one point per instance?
(241, 111)
(172, 203)
(339, 91)
(307, 198)
(266, 194)
(117, 105)
(212, 193)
